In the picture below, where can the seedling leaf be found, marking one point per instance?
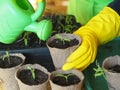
(32, 71)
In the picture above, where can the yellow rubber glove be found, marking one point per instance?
(101, 29)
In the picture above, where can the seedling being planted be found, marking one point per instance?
(99, 71)
(32, 70)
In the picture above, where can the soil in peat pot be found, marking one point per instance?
(57, 43)
(61, 80)
(115, 69)
(26, 77)
(11, 62)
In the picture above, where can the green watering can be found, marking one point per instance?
(17, 16)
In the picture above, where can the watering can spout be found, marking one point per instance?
(39, 11)
(43, 29)
(19, 17)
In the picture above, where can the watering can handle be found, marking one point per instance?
(40, 9)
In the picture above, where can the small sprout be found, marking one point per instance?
(32, 71)
(66, 76)
(25, 38)
(66, 39)
(58, 36)
(6, 56)
(62, 39)
(68, 19)
(98, 71)
(68, 28)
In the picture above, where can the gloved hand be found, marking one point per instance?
(101, 29)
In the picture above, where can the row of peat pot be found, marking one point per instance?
(22, 76)
(17, 77)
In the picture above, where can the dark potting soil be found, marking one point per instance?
(57, 43)
(11, 62)
(115, 69)
(26, 77)
(71, 80)
(63, 23)
(32, 42)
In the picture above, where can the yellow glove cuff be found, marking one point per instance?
(106, 25)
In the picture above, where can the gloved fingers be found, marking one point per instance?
(85, 63)
(81, 50)
(93, 46)
(83, 68)
(88, 60)
(83, 47)
(92, 41)
(70, 65)
(92, 37)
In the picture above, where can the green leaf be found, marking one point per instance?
(32, 71)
